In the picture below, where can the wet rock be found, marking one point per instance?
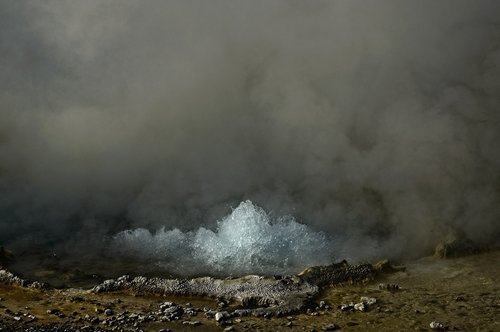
(337, 273)
(272, 296)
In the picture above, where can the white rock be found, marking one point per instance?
(360, 306)
(437, 326)
(219, 316)
(368, 300)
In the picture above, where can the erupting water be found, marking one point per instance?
(247, 241)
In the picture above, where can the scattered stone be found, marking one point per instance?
(192, 323)
(330, 327)
(289, 324)
(368, 300)
(360, 306)
(261, 296)
(437, 326)
(347, 307)
(108, 312)
(220, 315)
(388, 287)
(229, 328)
(165, 305)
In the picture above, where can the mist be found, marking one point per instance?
(373, 123)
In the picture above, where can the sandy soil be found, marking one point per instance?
(463, 294)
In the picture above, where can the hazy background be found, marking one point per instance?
(374, 121)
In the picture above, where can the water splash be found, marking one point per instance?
(247, 241)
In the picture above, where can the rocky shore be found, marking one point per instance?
(459, 294)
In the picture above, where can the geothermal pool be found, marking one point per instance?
(247, 241)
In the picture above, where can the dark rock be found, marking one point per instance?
(385, 266)
(347, 307)
(330, 327)
(388, 287)
(6, 257)
(457, 247)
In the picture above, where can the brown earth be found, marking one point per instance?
(463, 294)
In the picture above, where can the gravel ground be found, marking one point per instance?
(457, 294)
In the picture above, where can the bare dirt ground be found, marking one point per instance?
(461, 294)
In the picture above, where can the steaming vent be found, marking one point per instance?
(247, 241)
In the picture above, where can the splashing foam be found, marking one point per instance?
(247, 241)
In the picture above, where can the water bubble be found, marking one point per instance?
(246, 241)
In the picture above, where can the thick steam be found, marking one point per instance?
(246, 241)
(376, 122)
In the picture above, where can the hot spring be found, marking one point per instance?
(128, 128)
(248, 240)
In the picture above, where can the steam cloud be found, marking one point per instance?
(375, 122)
